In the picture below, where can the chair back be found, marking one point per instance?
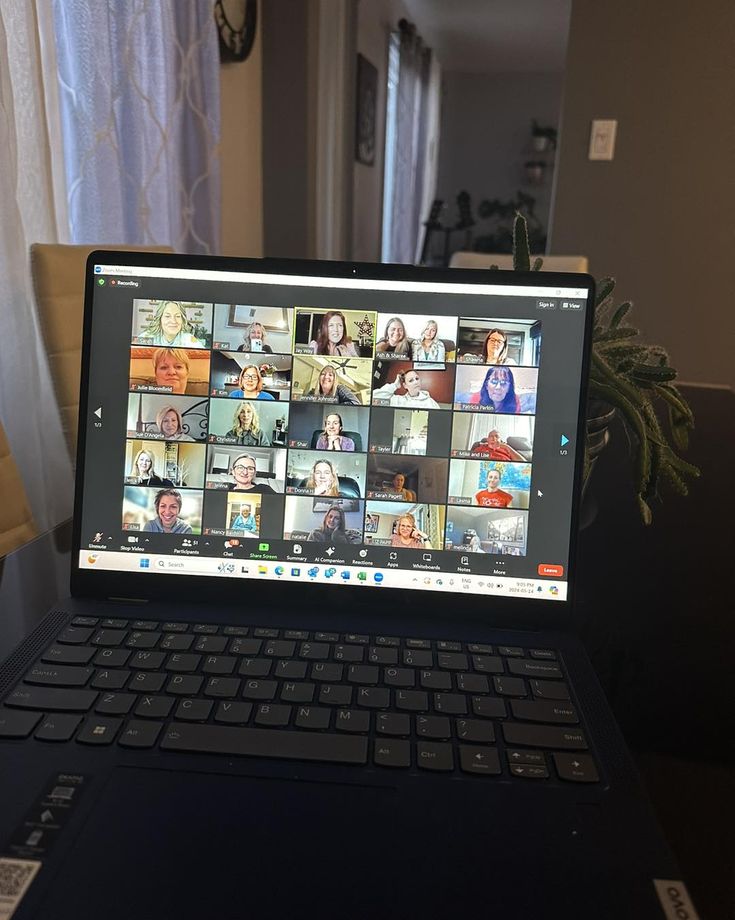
(505, 261)
(58, 282)
(16, 521)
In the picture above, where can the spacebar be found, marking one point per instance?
(259, 742)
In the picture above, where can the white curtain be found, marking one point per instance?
(139, 97)
(29, 212)
(414, 141)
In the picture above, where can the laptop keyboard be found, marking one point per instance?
(394, 703)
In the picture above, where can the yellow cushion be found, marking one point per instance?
(16, 520)
(58, 282)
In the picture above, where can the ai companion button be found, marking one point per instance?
(551, 571)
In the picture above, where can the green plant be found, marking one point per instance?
(632, 377)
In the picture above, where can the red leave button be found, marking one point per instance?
(551, 571)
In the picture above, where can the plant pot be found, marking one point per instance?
(534, 173)
(599, 418)
(540, 143)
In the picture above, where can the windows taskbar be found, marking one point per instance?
(275, 570)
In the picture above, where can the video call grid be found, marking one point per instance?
(382, 357)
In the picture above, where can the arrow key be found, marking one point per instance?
(529, 771)
(482, 761)
(577, 768)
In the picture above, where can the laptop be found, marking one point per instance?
(317, 658)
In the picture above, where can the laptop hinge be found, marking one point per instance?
(128, 600)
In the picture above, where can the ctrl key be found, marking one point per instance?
(15, 724)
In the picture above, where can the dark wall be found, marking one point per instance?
(286, 180)
(659, 217)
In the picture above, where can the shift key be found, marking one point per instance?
(51, 699)
(546, 736)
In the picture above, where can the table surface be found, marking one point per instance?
(654, 611)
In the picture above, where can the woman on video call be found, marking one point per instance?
(498, 390)
(245, 520)
(414, 397)
(250, 385)
(244, 471)
(394, 341)
(332, 338)
(171, 369)
(327, 386)
(143, 472)
(429, 347)
(246, 427)
(333, 529)
(331, 437)
(170, 326)
(253, 339)
(408, 536)
(492, 496)
(171, 425)
(322, 479)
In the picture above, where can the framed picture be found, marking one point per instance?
(367, 98)
(372, 522)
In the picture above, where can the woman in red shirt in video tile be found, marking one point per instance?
(492, 496)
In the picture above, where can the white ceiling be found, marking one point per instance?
(494, 36)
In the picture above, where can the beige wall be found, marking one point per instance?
(241, 155)
(660, 216)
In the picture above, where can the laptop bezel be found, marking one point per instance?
(507, 612)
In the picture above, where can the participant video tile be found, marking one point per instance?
(415, 432)
(252, 329)
(326, 473)
(499, 389)
(479, 530)
(256, 470)
(172, 324)
(248, 423)
(409, 385)
(405, 525)
(175, 371)
(329, 427)
(410, 337)
(335, 381)
(334, 333)
(152, 510)
(489, 483)
(321, 519)
(493, 437)
(170, 418)
(499, 341)
(405, 478)
(239, 375)
(166, 464)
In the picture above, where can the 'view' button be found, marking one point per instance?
(551, 571)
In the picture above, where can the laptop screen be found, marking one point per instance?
(347, 431)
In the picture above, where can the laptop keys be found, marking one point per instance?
(57, 727)
(17, 724)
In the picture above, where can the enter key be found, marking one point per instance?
(553, 711)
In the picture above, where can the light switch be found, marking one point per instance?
(602, 139)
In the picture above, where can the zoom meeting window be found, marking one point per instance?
(404, 431)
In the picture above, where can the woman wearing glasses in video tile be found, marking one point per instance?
(251, 385)
(244, 471)
(408, 536)
(498, 391)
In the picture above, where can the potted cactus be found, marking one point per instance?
(628, 378)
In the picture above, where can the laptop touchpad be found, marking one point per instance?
(170, 844)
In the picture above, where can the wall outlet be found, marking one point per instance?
(602, 139)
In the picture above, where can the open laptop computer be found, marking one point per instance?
(317, 658)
